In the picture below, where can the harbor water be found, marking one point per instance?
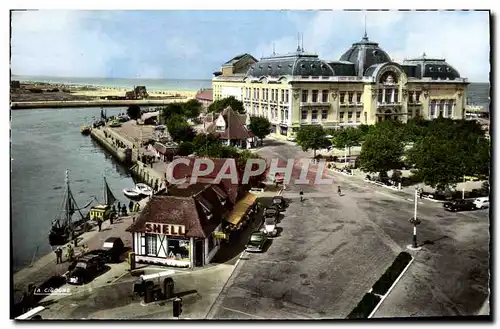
(44, 144)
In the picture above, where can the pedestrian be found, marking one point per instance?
(69, 253)
(339, 191)
(301, 193)
(58, 255)
(99, 223)
(130, 206)
(119, 205)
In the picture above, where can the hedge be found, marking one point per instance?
(365, 307)
(391, 274)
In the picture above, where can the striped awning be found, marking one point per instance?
(240, 208)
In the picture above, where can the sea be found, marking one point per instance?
(47, 142)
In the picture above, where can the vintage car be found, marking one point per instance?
(459, 205)
(270, 227)
(279, 202)
(85, 269)
(257, 241)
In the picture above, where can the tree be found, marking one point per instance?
(219, 105)
(134, 112)
(202, 141)
(346, 138)
(185, 149)
(382, 149)
(180, 130)
(260, 127)
(171, 110)
(191, 109)
(311, 138)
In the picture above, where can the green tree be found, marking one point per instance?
(202, 141)
(171, 110)
(185, 149)
(180, 130)
(311, 138)
(219, 105)
(191, 109)
(346, 138)
(134, 112)
(260, 127)
(382, 149)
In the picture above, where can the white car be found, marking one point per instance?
(291, 138)
(481, 203)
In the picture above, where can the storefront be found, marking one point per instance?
(284, 130)
(241, 215)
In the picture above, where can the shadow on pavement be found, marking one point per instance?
(431, 242)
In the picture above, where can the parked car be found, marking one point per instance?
(113, 248)
(271, 212)
(85, 269)
(481, 203)
(257, 241)
(270, 227)
(459, 205)
(279, 202)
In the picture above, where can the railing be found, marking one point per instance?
(306, 104)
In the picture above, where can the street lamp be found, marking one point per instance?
(415, 221)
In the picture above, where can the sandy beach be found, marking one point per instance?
(108, 91)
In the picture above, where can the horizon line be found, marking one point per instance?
(68, 77)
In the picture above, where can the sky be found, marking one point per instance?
(194, 44)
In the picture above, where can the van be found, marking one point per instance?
(481, 203)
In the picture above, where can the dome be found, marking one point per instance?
(365, 54)
(433, 68)
(297, 64)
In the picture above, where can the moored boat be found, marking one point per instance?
(132, 194)
(144, 189)
(85, 130)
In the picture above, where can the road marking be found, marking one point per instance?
(233, 310)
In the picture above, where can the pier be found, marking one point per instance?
(94, 103)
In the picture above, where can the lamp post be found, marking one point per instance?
(415, 221)
(463, 189)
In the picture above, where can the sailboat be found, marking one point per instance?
(63, 225)
(104, 211)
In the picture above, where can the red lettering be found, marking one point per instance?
(148, 228)
(165, 229)
(173, 230)
(156, 228)
(181, 230)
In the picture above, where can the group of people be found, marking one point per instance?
(70, 253)
(301, 193)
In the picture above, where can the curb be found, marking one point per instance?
(390, 289)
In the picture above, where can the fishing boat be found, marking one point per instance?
(133, 194)
(85, 130)
(144, 189)
(115, 124)
(63, 225)
(104, 210)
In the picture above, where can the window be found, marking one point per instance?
(151, 244)
(358, 98)
(433, 109)
(441, 108)
(304, 115)
(282, 115)
(396, 95)
(358, 116)
(286, 115)
(324, 115)
(350, 97)
(324, 96)
(342, 97)
(341, 116)
(314, 96)
(450, 109)
(282, 95)
(381, 95)
(304, 96)
(417, 96)
(286, 96)
(349, 116)
(314, 115)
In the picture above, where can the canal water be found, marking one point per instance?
(44, 143)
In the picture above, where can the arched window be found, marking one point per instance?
(449, 112)
(432, 109)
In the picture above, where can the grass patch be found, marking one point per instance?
(365, 307)
(391, 274)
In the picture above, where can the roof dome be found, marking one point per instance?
(365, 54)
(296, 64)
(434, 68)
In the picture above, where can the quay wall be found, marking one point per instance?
(93, 103)
(121, 155)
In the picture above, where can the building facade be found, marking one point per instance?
(363, 87)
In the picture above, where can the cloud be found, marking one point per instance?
(182, 46)
(462, 38)
(60, 43)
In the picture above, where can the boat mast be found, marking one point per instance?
(105, 190)
(68, 201)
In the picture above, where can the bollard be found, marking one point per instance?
(131, 260)
(168, 288)
(148, 295)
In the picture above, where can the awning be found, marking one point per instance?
(241, 208)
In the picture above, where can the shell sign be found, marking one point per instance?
(165, 229)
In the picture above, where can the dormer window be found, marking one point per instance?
(207, 211)
(220, 128)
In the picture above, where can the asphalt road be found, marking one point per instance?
(333, 248)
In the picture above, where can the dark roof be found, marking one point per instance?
(237, 58)
(205, 95)
(365, 54)
(433, 68)
(296, 64)
(343, 68)
(185, 210)
(235, 126)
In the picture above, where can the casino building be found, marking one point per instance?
(363, 87)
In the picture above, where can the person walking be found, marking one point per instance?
(301, 193)
(58, 255)
(69, 253)
(339, 191)
(99, 223)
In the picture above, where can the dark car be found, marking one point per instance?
(113, 248)
(257, 241)
(85, 269)
(459, 205)
(271, 212)
(279, 202)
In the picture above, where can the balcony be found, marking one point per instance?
(351, 104)
(317, 104)
(379, 104)
(314, 121)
